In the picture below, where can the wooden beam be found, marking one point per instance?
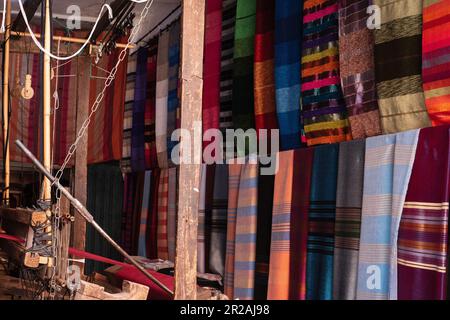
(80, 174)
(30, 7)
(192, 42)
(5, 92)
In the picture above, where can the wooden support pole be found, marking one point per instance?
(193, 25)
(80, 174)
(6, 102)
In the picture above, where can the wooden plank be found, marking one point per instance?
(130, 291)
(80, 174)
(193, 23)
(25, 216)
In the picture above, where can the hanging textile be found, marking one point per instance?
(105, 129)
(105, 198)
(201, 221)
(324, 113)
(246, 224)
(301, 187)
(387, 170)
(151, 160)
(217, 227)
(398, 66)
(234, 176)
(140, 98)
(144, 216)
(322, 213)
(264, 228)
(357, 69)
(128, 113)
(348, 218)
(172, 213)
(288, 38)
(264, 82)
(435, 63)
(226, 69)
(211, 66)
(278, 286)
(133, 192)
(163, 197)
(152, 222)
(162, 92)
(423, 234)
(244, 47)
(173, 103)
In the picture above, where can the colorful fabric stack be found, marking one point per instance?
(211, 65)
(151, 160)
(264, 229)
(348, 218)
(301, 188)
(387, 170)
(322, 213)
(172, 213)
(435, 62)
(264, 82)
(128, 113)
(217, 228)
(163, 197)
(398, 56)
(144, 216)
(278, 287)
(140, 99)
(324, 113)
(423, 234)
(226, 70)
(246, 224)
(288, 38)
(234, 176)
(106, 127)
(244, 48)
(162, 92)
(357, 68)
(173, 103)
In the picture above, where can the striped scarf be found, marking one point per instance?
(264, 82)
(151, 160)
(387, 170)
(128, 114)
(324, 113)
(172, 213)
(143, 221)
(322, 212)
(106, 127)
(423, 234)
(435, 62)
(226, 70)
(348, 218)
(244, 44)
(173, 103)
(137, 130)
(398, 66)
(127, 211)
(162, 92)
(163, 197)
(288, 35)
(357, 68)
(152, 224)
(211, 65)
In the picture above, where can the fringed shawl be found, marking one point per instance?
(163, 197)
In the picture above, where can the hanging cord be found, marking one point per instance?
(55, 105)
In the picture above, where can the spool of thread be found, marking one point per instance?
(27, 91)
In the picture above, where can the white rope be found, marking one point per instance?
(38, 44)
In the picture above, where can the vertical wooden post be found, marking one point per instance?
(5, 92)
(192, 40)
(80, 174)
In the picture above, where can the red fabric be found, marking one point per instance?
(211, 65)
(303, 162)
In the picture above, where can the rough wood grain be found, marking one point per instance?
(130, 291)
(192, 42)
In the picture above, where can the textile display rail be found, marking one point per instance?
(87, 215)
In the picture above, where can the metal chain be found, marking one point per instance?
(101, 95)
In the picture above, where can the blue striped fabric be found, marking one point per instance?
(322, 213)
(173, 103)
(387, 170)
(288, 35)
